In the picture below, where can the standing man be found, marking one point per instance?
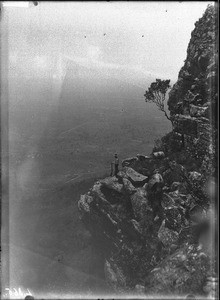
(116, 164)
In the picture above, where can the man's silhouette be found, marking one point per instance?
(114, 166)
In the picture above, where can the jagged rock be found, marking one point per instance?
(167, 237)
(128, 186)
(155, 184)
(174, 210)
(84, 203)
(199, 111)
(97, 194)
(180, 273)
(141, 206)
(112, 184)
(197, 92)
(136, 178)
(145, 166)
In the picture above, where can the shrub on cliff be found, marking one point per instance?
(156, 93)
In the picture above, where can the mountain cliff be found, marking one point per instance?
(154, 221)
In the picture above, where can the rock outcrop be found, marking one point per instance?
(193, 98)
(152, 220)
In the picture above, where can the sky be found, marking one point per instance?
(147, 37)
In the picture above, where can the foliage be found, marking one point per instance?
(156, 93)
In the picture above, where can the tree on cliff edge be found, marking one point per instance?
(156, 93)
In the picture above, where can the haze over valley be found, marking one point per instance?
(74, 102)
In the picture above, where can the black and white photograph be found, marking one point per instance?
(109, 150)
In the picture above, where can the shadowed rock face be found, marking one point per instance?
(153, 219)
(193, 98)
(174, 274)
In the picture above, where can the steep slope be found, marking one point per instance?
(154, 221)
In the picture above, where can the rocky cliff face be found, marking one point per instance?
(153, 220)
(193, 100)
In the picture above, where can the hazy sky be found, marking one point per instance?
(150, 37)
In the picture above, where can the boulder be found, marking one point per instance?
(156, 183)
(136, 178)
(112, 184)
(159, 154)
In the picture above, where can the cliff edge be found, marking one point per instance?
(154, 221)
